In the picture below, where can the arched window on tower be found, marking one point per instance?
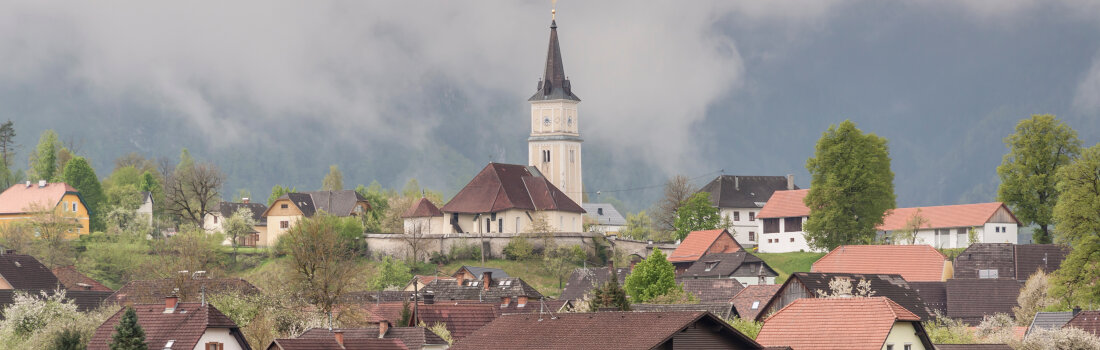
(546, 156)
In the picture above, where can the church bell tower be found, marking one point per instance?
(554, 146)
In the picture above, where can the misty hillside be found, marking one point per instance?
(389, 93)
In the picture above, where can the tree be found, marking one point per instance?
(652, 277)
(908, 234)
(379, 205)
(193, 249)
(1066, 338)
(7, 143)
(678, 190)
(322, 262)
(638, 226)
(334, 180)
(676, 296)
(841, 287)
(149, 182)
(1034, 297)
(416, 238)
(1078, 209)
(238, 226)
(851, 188)
(1038, 148)
(67, 340)
(192, 189)
(79, 174)
(391, 273)
(1076, 282)
(53, 227)
(749, 328)
(944, 330)
(44, 159)
(128, 333)
(560, 261)
(696, 214)
(609, 295)
(279, 191)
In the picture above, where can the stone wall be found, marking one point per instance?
(397, 245)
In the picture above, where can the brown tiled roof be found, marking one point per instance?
(185, 325)
(500, 287)
(934, 295)
(785, 204)
(189, 290)
(758, 293)
(722, 310)
(840, 323)
(421, 209)
(894, 287)
(85, 300)
(712, 290)
(1088, 321)
(735, 191)
(26, 272)
(388, 311)
(1032, 257)
(413, 337)
(917, 262)
(943, 216)
(500, 187)
(20, 198)
(970, 300)
(387, 296)
(461, 319)
(74, 280)
(973, 347)
(584, 280)
(331, 344)
(738, 264)
(601, 330)
(697, 243)
(986, 256)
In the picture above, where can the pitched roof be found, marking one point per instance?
(1088, 321)
(500, 187)
(604, 213)
(736, 264)
(758, 294)
(474, 290)
(736, 191)
(423, 208)
(1032, 257)
(698, 243)
(986, 256)
(712, 290)
(554, 85)
(338, 203)
(934, 295)
(377, 296)
(185, 325)
(601, 330)
(721, 309)
(85, 300)
(584, 280)
(1049, 320)
(838, 323)
(189, 289)
(74, 280)
(477, 271)
(413, 337)
(461, 319)
(891, 286)
(785, 204)
(25, 272)
(970, 300)
(227, 209)
(20, 198)
(917, 262)
(942, 216)
(331, 344)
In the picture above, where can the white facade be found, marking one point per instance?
(746, 228)
(215, 335)
(508, 221)
(554, 146)
(782, 241)
(146, 208)
(959, 237)
(749, 281)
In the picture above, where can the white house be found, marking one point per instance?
(608, 220)
(175, 325)
(146, 208)
(740, 199)
(214, 221)
(781, 222)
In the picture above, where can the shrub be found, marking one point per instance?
(749, 328)
(519, 249)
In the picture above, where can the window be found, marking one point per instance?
(284, 206)
(546, 156)
(517, 224)
(74, 206)
(943, 238)
(711, 265)
(988, 273)
(214, 346)
(736, 216)
(792, 239)
(572, 158)
(755, 305)
(752, 216)
(752, 236)
(771, 225)
(64, 206)
(284, 224)
(500, 225)
(908, 347)
(792, 224)
(215, 218)
(889, 346)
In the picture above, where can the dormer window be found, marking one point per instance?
(988, 273)
(711, 265)
(755, 305)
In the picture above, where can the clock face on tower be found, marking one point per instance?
(546, 121)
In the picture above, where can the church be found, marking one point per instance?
(512, 198)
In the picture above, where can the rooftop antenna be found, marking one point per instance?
(543, 309)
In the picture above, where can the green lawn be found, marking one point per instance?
(787, 263)
(531, 272)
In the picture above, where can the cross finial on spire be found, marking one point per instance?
(553, 9)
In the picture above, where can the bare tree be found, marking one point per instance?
(908, 234)
(322, 261)
(678, 190)
(190, 192)
(416, 238)
(52, 228)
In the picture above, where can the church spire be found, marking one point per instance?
(554, 85)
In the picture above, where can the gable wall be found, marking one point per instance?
(1002, 216)
(724, 244)
(219, 335)
(700, 336)
(903, 333)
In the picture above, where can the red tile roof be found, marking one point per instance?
(461, 319)
(785, 204)
(500, 187)
(185, 325)
(20, 198)
(840, 323)
(421, 209)
(961, 215)
(331, 344)
(917, 262)
(697, 244)
(759, 293)
(74, 280)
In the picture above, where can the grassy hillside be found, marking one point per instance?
(787, 263)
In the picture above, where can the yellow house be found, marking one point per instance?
(291, 207)
(27, 201)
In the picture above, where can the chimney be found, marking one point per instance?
(486, 279)
(460, 279)
(736, 183)
(339, 335)
(245, 200)
(521, 301)
(41, 183)
(790, 181)
(170, 303)
(28, 183)
(429, 299)
(1076, 310)
(383, 327)
(504, 301)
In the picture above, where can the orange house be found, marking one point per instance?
(23, 202)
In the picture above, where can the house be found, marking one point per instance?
(583, 280)
(487, 288)
(950, 226)
(146, 208)
(609, 331)
(413, 338)
(971, 300)
(460, 319)
(723, 310)
(700, 243)
(845, 323)
(214, 221)
(508, 198)
(916, 263)
(802, 285)
(750, 301)
(291, 207)
(780, 223)
(606, 218)
(187, 287)
(23, 202)
(175, 325)
(423, 217)
(418, 282)
(1007, 260)
(1049, 320)
(1088, 321)
(741, 266)
(74, 280)
(740, 199)
(711, 290)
